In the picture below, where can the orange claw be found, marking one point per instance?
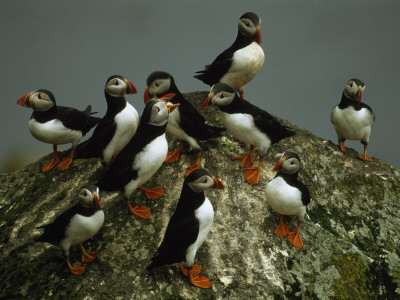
(153, 193)
(88, 257)
(295, 239)
(252, 174)
(364, 156)
(195, 278)
(139, 210)
(247, 160)
(342, 147)
(52, 162)
(77, 270)
(174, 155)
(64, 164)
(282, 230)
(195, 166)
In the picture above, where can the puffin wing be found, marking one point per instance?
(181, 232)
(76, 119)
(219, 67)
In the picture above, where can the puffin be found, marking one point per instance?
(76, 225)
(247, 123)
(241, 62)
(141, 157)
(288, 196)
(56, 125)
(352, 118)
(118, 125)
(188, 227)
(185, 122)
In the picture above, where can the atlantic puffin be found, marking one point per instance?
(247, 123)
(141, 157)
(288, 196)
(76, 225)
(118, 125)
(56, 125)
(188, 227)
(185, 122)
(352, 118)
(238, 64)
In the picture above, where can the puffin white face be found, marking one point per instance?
(223, 98)
(353, 91)
(117, 87)
(202, 183)
(41, 101)
(88, 197)
(159, 86)
(288, 163)
(247, 27)
(159, 114)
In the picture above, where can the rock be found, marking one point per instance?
(351, 238)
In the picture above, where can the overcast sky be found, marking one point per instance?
(312, 48)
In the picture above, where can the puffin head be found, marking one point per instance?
(157, 84)
(201, 179)
(39, 100)
(249, 25)
(354, 89)
(89, 197)
(288, 163)
(156, 111)
(221, 94)
(118, 86)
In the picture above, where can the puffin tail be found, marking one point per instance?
(85, 150)
(90, 121)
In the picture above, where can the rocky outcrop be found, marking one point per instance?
(351, 238)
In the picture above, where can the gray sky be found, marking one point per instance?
(312, 48)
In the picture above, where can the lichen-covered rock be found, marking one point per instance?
(351, 238)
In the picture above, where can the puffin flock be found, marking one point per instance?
(133, 148)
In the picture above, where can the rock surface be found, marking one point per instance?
(351, 238)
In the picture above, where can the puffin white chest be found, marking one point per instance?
(81, 228)
(284, 198)
(126, 122)
(246, 63)
(175, 128)
(205, 215)
(243, 128)
(147, 162)
(352, 124)
(54, 132)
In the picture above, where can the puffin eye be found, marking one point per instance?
(116, 82)
(205, 180)
(39, 96)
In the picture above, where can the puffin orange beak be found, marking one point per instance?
(206, 102)
(279, 165)
(96, 200)
(359, 92)
(258, 35)
(146, 96)
(130, 88)
(25, 100)
(217, 184)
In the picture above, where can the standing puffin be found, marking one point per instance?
(185, 122)
(247, 123)
(238, 64)
(352, 118)
(141, 157)
(288, 196)
(188, 227)
(76, 225)
(118, 125)
(56, 125)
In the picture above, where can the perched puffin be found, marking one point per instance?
(247, 123)
(118, 125)
(238, 64)
(76, 225)
(185, 122)
(288, 196)
(188, 227)
(56, 125)
(352, 118)
(141, 157)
